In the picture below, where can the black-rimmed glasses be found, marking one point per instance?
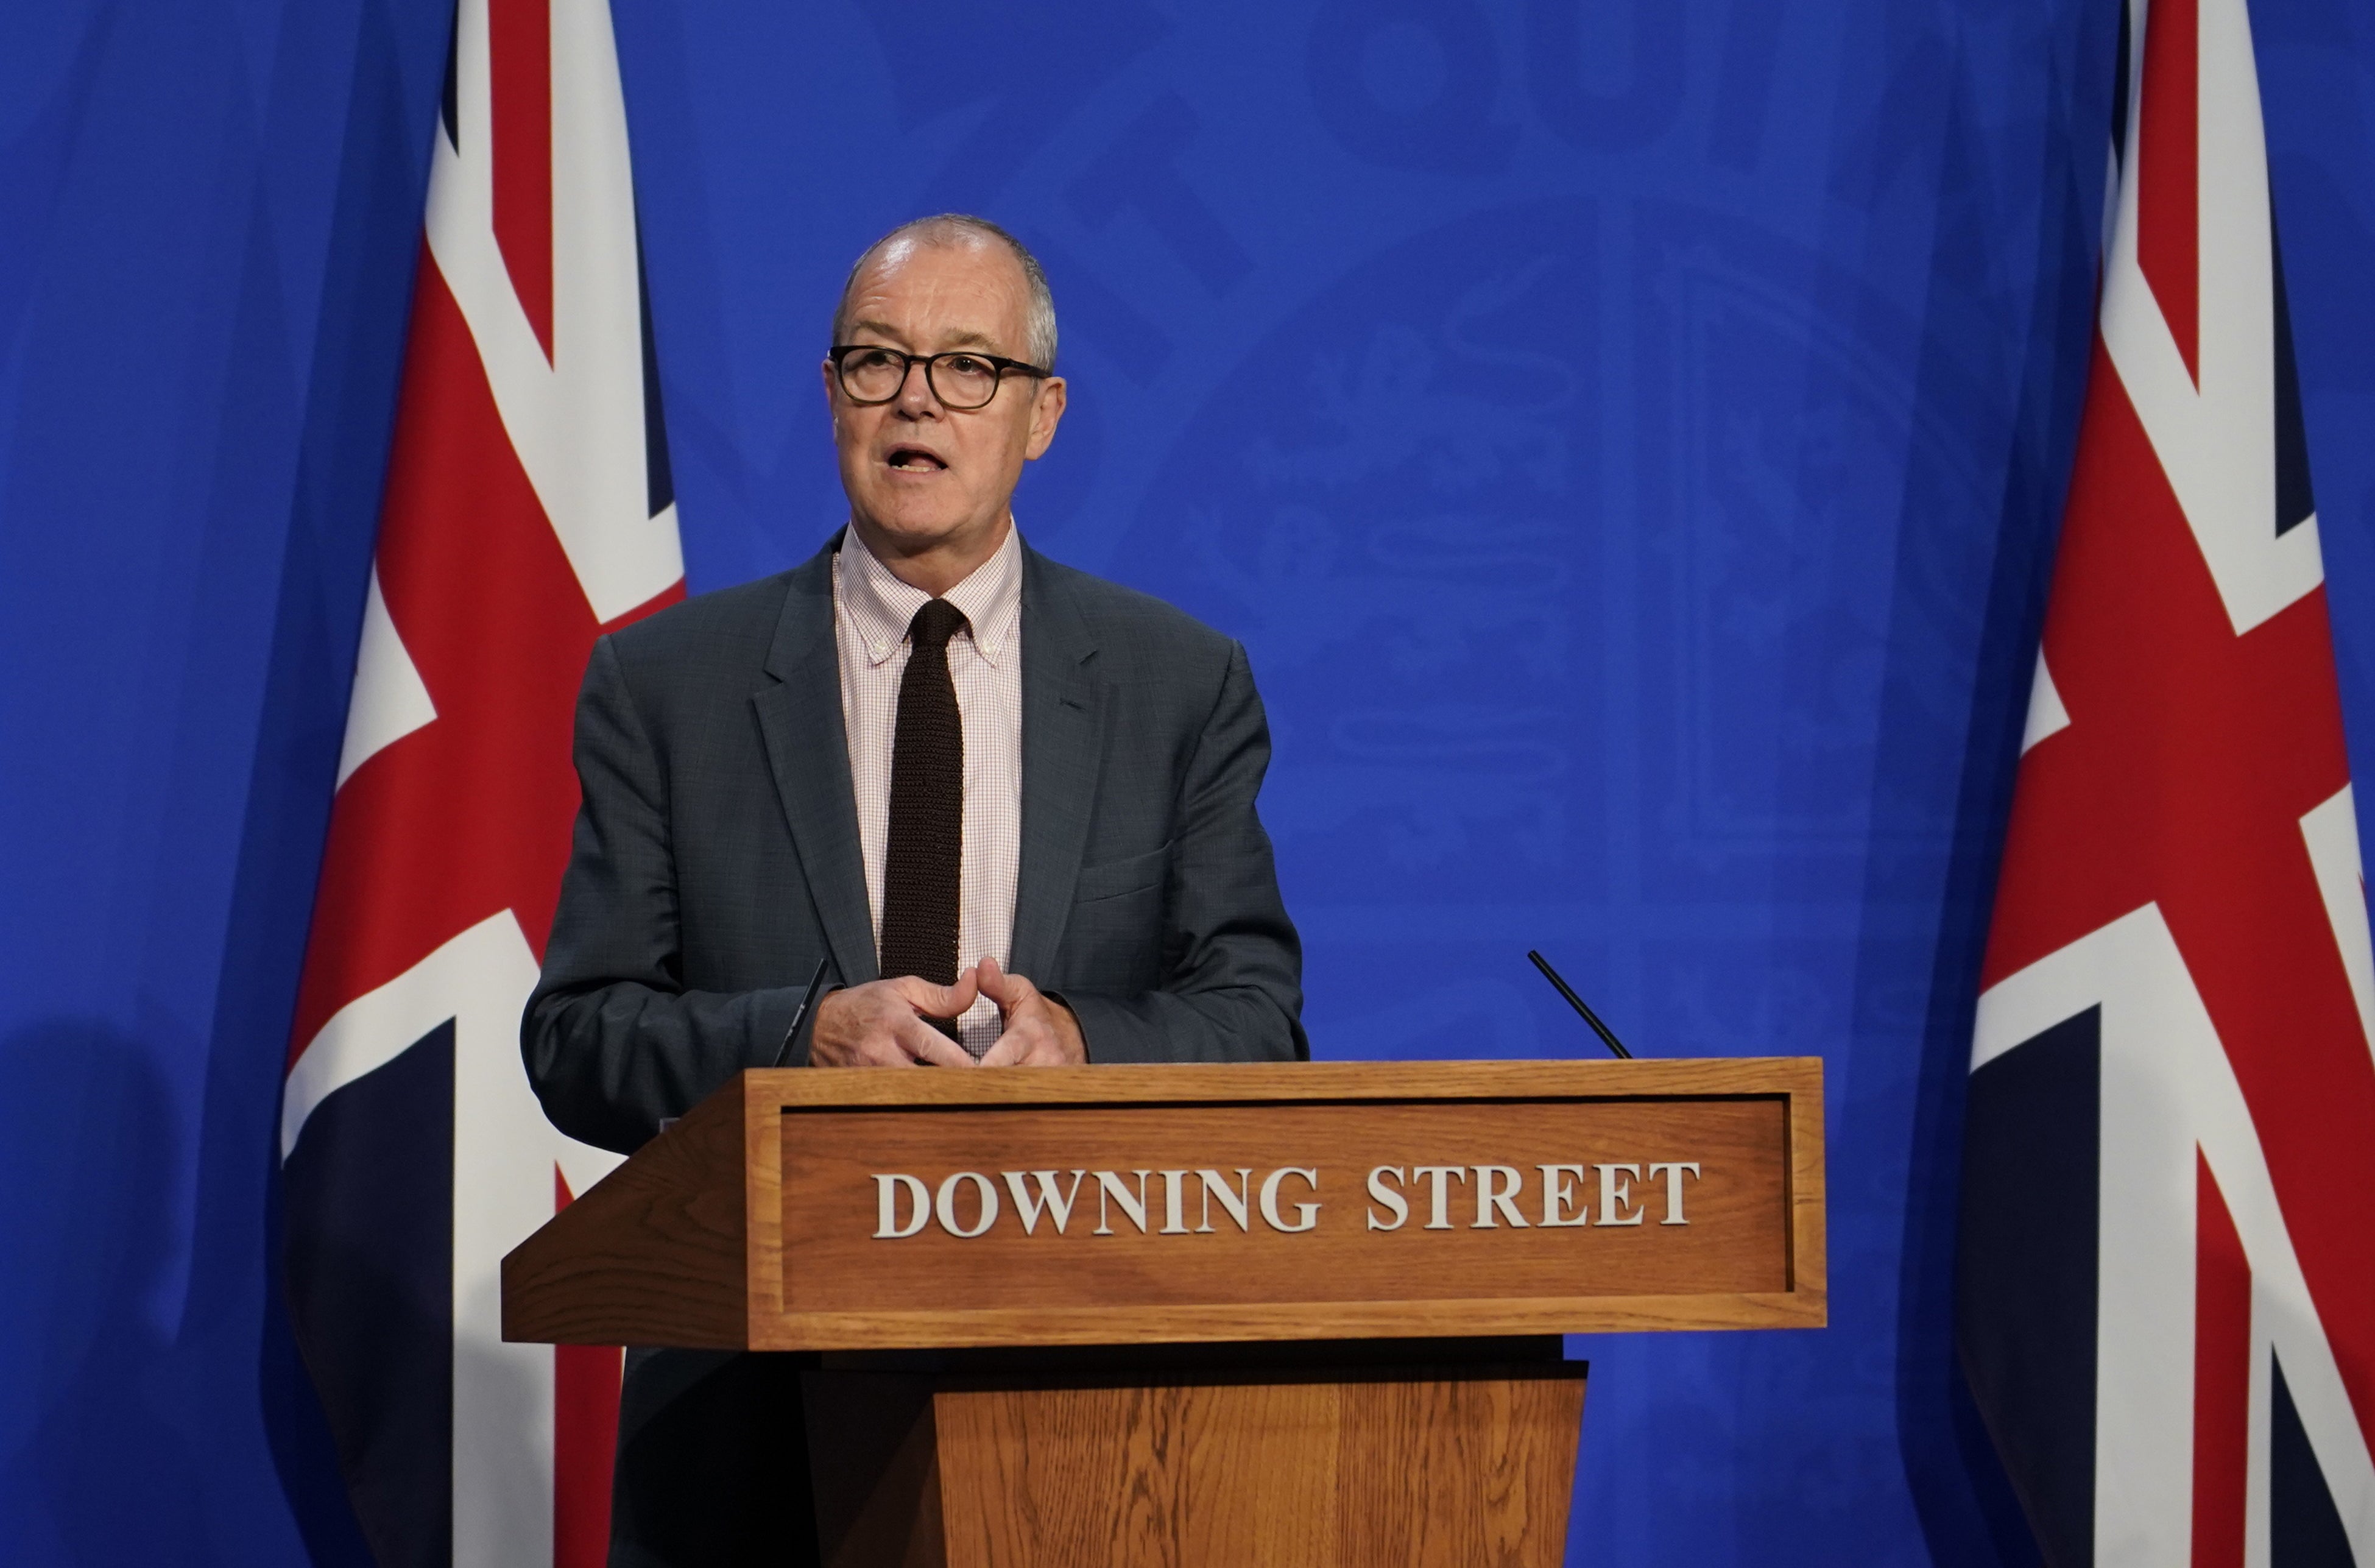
(960, 378)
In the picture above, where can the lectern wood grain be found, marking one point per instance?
(813, 1209)
(1455, 1471)
(1455, 1464)
(663, 1255)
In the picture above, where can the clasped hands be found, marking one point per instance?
(882, 1023)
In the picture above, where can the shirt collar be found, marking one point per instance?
(881, 605)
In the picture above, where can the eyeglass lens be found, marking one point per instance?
(961, 381)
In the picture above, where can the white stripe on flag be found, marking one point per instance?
(389, 701)
(577, 421)
(2217, 442)
(2166, 1090)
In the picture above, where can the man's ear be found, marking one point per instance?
(1047, 410)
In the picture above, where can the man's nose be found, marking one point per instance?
(916, 394)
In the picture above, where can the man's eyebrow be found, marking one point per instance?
(898, 339)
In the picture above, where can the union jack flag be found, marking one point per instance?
(2167, 1300)
(528, 509)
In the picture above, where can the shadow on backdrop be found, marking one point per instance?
(95, 1464)
(352, 386)
(1969, 1515)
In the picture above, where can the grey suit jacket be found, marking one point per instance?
(717, 859)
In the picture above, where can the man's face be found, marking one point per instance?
(923, 478)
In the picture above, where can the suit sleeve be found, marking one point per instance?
(612, 1041)
(1231, 989)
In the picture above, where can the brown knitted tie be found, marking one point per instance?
(922, 864)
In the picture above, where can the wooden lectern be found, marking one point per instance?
(1290, 1314)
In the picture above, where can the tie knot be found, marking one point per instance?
(935, 624)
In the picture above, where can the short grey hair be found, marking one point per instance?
(957, 228)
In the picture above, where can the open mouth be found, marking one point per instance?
(915, 460)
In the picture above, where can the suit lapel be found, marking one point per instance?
(809, 752)
(1063, 745)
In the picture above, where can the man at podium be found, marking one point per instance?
(929, 798)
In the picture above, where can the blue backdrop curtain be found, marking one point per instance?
(1629, 436)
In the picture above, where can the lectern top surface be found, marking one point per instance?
(1150, 1083)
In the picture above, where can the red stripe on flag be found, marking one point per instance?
(470, 815)
(2222, 1376)
(519, 54)
(2169, 165)
(2190, 757)
(584, 1440)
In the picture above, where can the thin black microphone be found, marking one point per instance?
(802, 1017)
(1578, 1004)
